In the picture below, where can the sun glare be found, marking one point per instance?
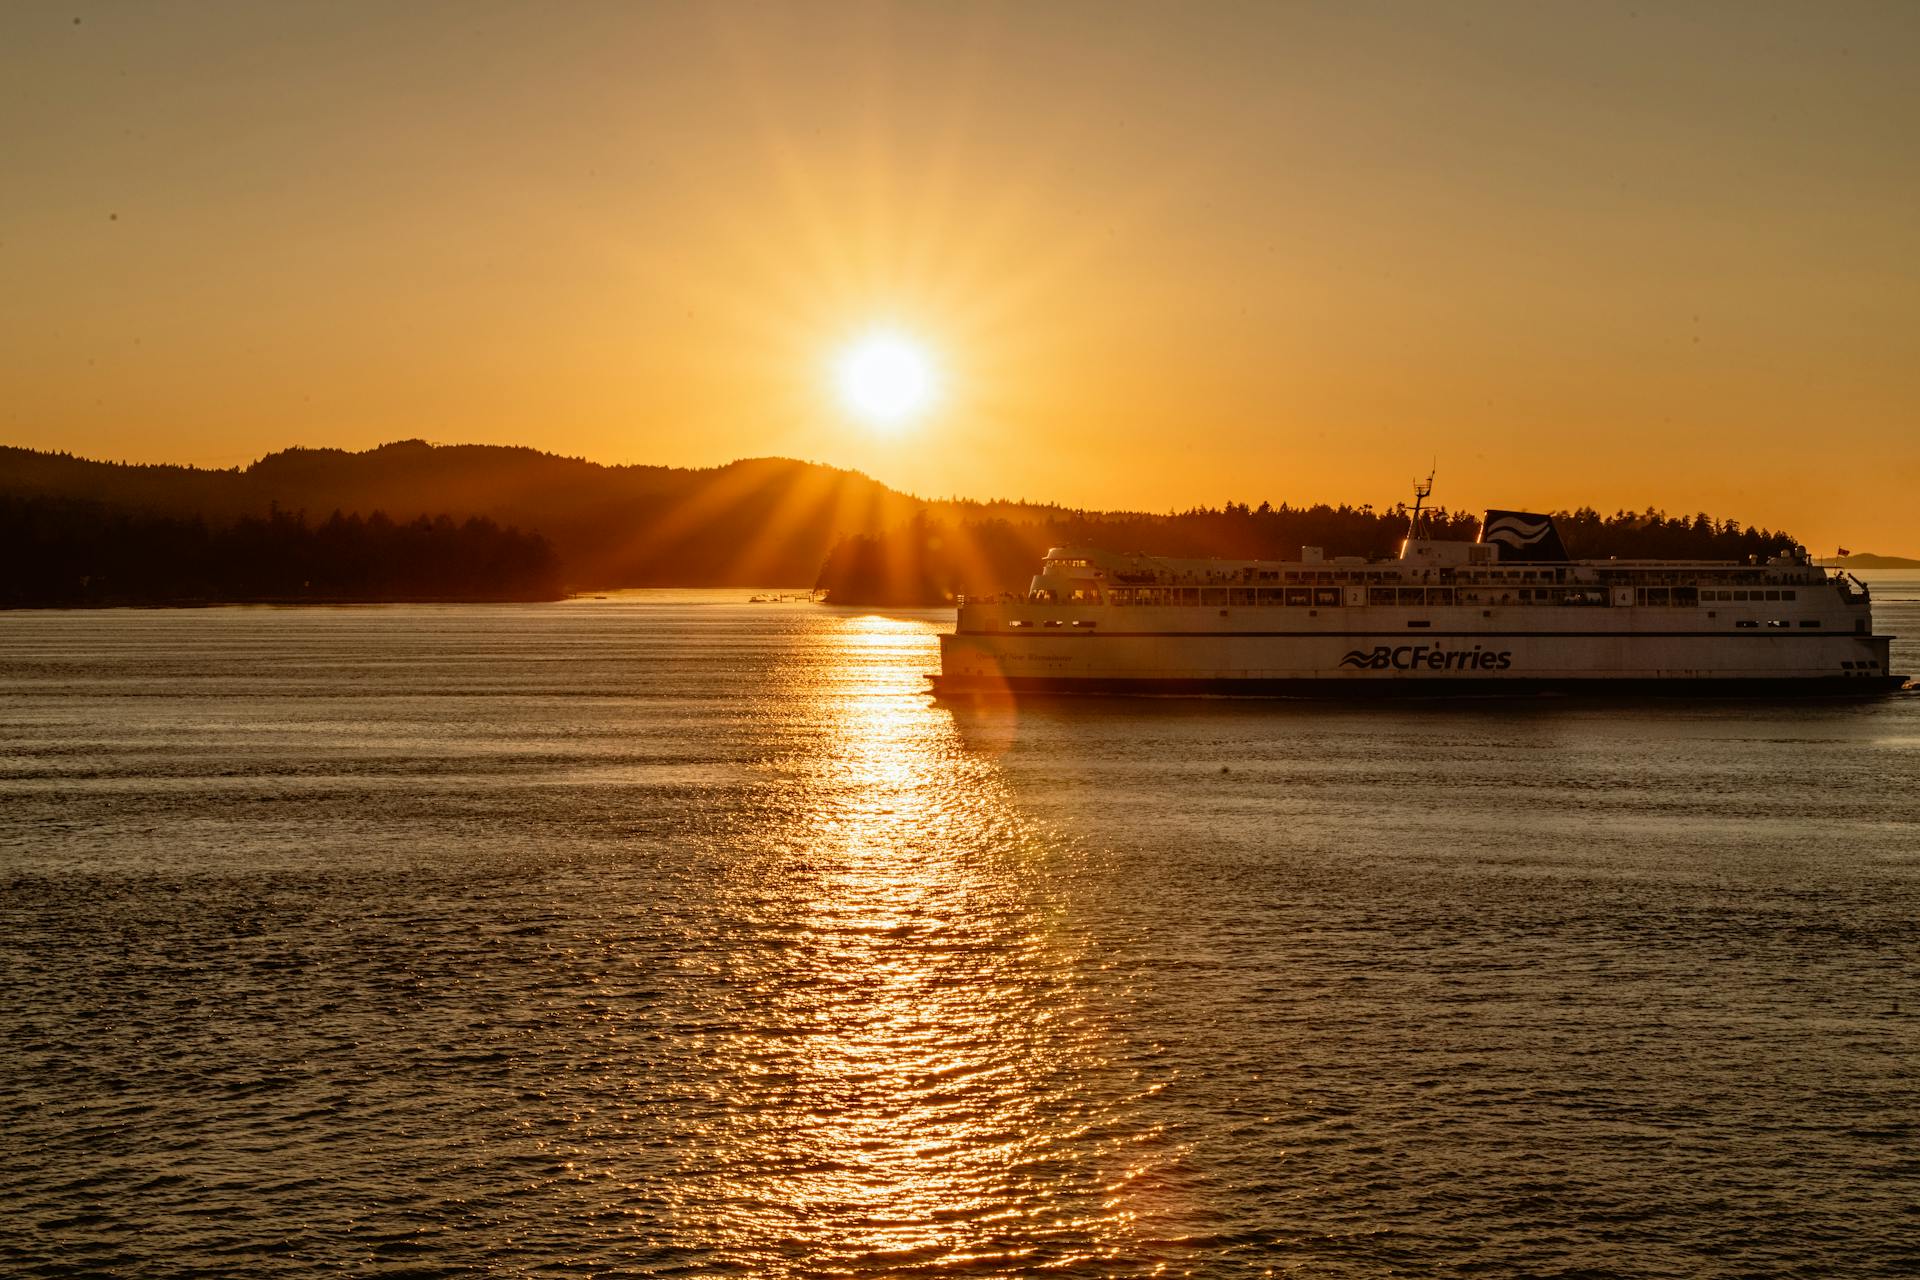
(886, 379)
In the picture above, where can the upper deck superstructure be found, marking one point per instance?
(1507, 613)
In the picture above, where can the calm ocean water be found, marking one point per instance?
(672, 935)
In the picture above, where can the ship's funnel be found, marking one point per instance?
(1523, 536)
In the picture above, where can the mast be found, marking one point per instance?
(1422, 490)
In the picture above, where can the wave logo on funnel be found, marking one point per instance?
(1523, 535)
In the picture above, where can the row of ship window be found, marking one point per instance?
(1244, 596)
(1305, 597)
(1746, 595)
(1498, 578)
(1345, 577)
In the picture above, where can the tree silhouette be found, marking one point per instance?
(930, 562)
(63, 551)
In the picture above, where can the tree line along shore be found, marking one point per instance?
(927, 561)
(68, 552)
(418, 522)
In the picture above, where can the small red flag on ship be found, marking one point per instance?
(1845, 552)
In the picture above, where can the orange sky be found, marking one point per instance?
(1166, 254)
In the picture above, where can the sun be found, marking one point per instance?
(886, 379)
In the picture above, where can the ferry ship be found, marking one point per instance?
(1509, 613)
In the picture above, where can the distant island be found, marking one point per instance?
(415, 521)
(1867, 560)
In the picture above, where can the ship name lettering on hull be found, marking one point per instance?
(1421, 657)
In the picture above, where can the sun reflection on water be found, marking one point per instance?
(928, 1078)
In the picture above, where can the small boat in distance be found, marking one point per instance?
(1509, 613)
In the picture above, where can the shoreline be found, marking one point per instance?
(206, 602)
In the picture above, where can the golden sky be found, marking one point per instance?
(1163, 255)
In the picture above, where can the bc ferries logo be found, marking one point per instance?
(1525, 535)
(1421, 657)
(1516, 529)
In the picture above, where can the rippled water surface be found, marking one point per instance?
(676, 935)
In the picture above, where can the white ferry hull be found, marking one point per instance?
(1435, 660)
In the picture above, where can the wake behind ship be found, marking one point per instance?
(1507, 614)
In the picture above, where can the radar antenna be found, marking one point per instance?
(1422, 490)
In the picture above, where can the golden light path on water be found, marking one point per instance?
(929, 1082)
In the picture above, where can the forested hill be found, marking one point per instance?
(546, 523)
(930, 561)
(761, 522)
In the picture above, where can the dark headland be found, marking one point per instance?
(1867, 560)
(414, 521)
